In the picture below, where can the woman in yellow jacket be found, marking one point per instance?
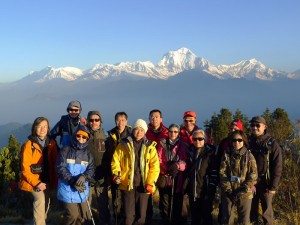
(38, 159)
(135, 166)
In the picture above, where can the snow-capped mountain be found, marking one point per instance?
(172, 63)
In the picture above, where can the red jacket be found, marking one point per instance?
(157, 136)
(186, 136)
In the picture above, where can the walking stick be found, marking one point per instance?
(172, 194)
(88, 204)
(116, 201)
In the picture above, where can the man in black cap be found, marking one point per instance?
(268, 156)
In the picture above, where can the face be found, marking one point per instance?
(121, 122)
(233, 128)
(189, 123)
(257, 129)
(237, 142)
(138, 133)
(198, 140)
(82, 139)
(94, 122)
(173, 133)
(42, 130)
(73, 112)
(155, 120)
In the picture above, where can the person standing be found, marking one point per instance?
(38, 176)
(99, 183)
(135, 168)
(238, 175)
(156, 132)
(202, 179)
(120, 131)
(75, 168)
(172, 154)
(189, 126)
(268, 155)
(68, 124)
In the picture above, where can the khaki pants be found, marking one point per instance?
(41, 203)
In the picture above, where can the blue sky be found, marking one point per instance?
(59, 33)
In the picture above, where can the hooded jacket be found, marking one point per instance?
(241, 164)
(32, 153)
(73, 161)
(157, 135)
(124, 159)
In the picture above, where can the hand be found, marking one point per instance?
(80, 181)
(173, 169)
(41, 187)
(271, 191)
(92, 182)
(240, 191)
(117, 179)
(181, 165)
(150, 189)
(79, 188)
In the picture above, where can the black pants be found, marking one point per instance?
(116, 196)
(102, 204)
(201, 209)
(243, 210)
(135, 206)
(77, 214)
(266, 200)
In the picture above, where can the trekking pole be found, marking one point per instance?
(171, 205)
(116, 201)
(88, 204)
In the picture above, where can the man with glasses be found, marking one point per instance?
(97, 149)
(68, 124)
(189, 126)
(268, 156)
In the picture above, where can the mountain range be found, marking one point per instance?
(172, 63)
(181, 81)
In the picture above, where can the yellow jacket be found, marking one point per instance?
(123, 162)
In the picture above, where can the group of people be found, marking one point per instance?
(135, 161)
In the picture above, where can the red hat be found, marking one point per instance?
(237, 123)
(189, 113)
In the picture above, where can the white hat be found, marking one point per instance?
(140, 123)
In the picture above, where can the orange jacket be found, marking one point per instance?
(31, 153)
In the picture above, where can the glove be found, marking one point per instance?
(117, 179)
(173, 169)
(150, 189)
(80, 181)
(181, 165)
(79, 188)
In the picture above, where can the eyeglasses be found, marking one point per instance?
(81, 136)
(237, 140)
(257, 125)
(198, 139)
(188, 121)
(94, 120)
(173, 131)
(73, 110)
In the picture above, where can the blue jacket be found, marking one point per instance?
(73, 161)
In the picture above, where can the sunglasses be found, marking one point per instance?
(173, 131)
(73, 110)
(188, 121)
(198, 139)
(237, 140)
(94, 120)
(257, 125)
(81, 136)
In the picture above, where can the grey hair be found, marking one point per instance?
(199, 131)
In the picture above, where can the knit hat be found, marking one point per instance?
(237, 123)
(258, 119)
(189, 114)
(83, 133)
(74, 104)
(91, 113)
(140, 123)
